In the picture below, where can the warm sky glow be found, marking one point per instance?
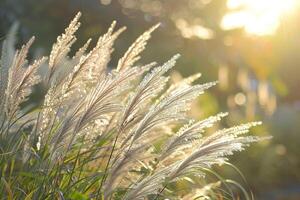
(258, 17)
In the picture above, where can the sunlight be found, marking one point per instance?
(258, 17)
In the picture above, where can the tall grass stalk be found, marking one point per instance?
(103, 133)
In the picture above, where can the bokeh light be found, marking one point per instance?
(240, 99)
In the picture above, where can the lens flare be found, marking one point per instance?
(258, 17)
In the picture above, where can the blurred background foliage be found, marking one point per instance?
(250, 46)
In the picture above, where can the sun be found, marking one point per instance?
(258, 17)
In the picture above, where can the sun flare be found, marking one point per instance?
(257, 17)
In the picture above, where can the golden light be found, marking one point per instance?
(188, 31)
(258, 17)
(240, 99)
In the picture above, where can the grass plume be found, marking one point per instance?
(94, 135)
